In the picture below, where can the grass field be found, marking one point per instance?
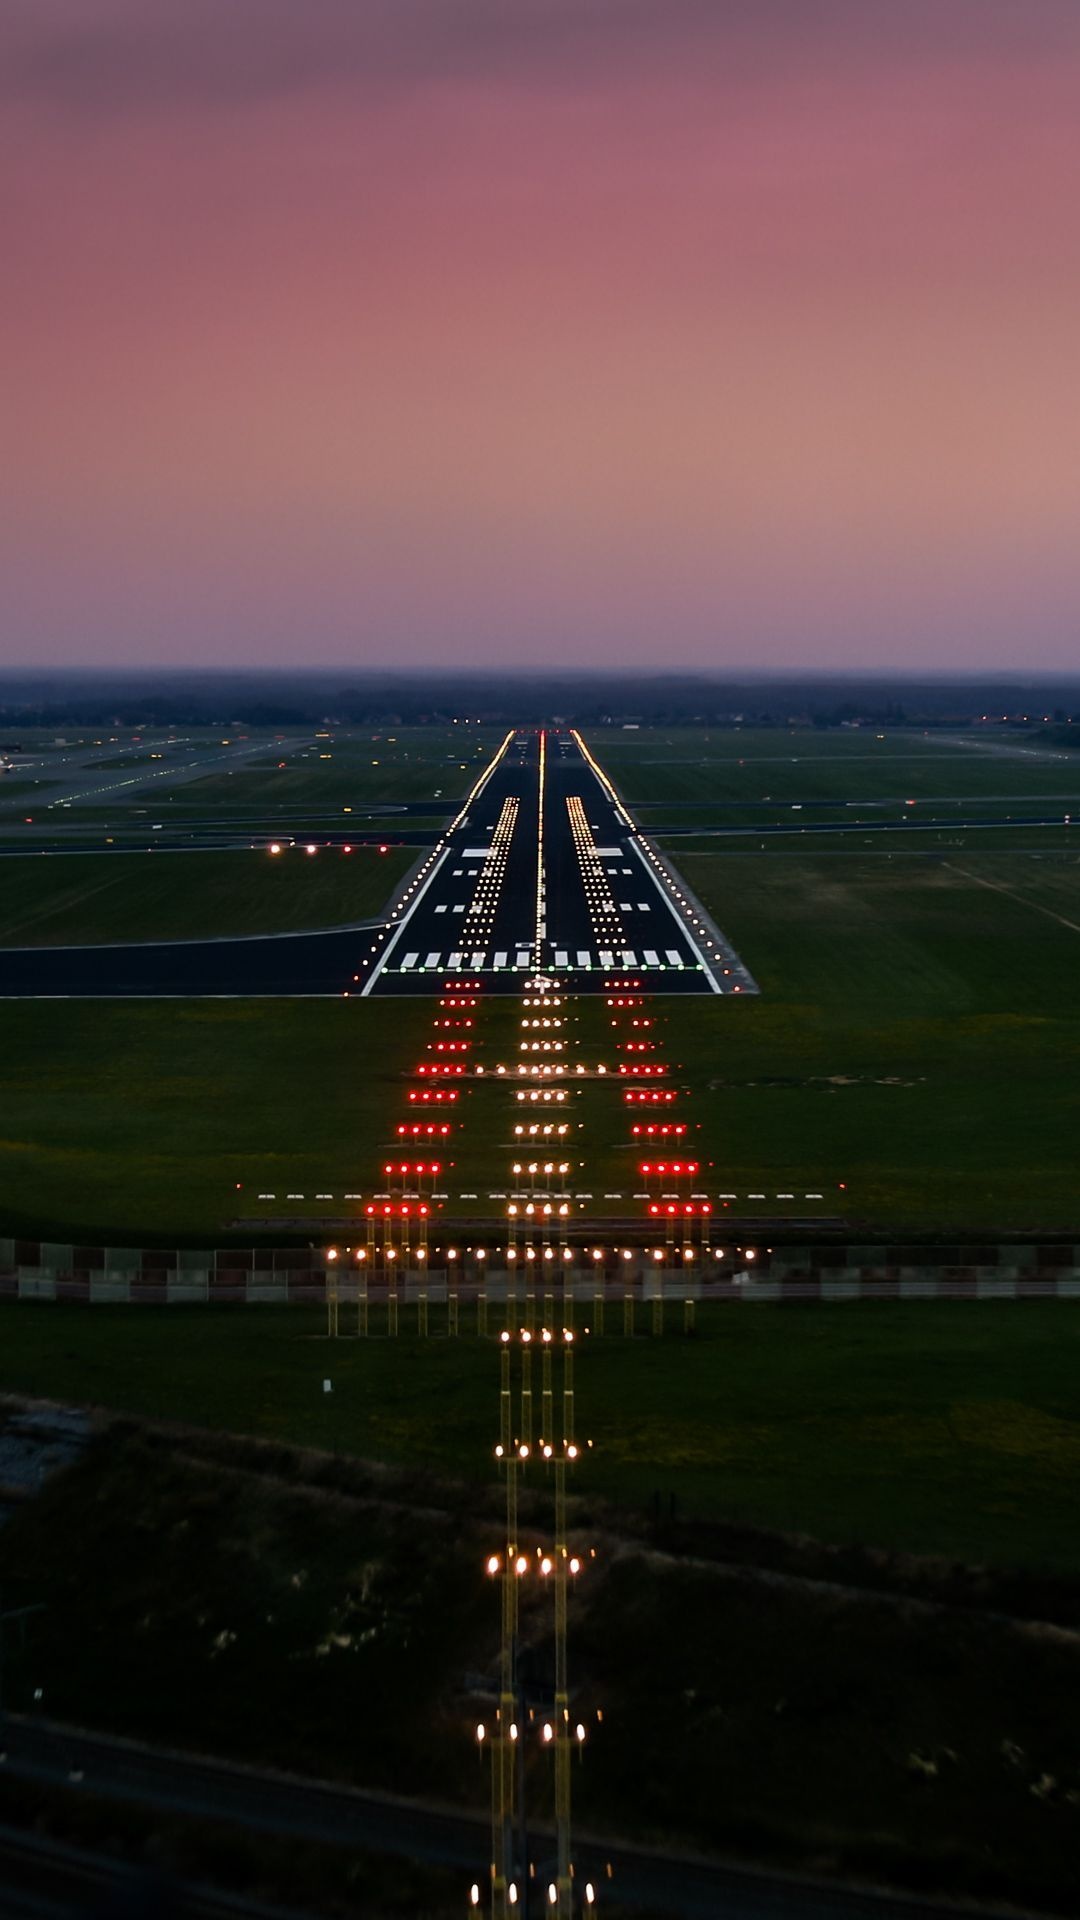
(417, 763)
(785, 767)
(17, 790)
(917, 1034)
(950, 1428)
(130, 1119)
(68, 899)
(914, 1055)
(806, 782)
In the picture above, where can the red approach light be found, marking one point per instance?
(384, 848)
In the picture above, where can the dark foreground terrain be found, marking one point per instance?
(752, 1695)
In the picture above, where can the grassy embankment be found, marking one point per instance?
(304, 1612)
(943, 1428)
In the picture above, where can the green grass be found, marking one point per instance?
(403, 765)
(68, 899)
(125, 1120)
(917, 1039)
(18, 791)
(917, 1036)
(914, 1055)
(950, 1428)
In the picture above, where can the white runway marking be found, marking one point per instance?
(996, 887)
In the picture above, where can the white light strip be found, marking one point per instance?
(435, 858)
(480, 918)
(538, 936)
(644, 853)
(480, 785)
(602, 777)
(679, 920)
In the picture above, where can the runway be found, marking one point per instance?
(545, 872)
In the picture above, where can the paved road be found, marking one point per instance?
(668, 1884)
(292, 965)
(543, 870)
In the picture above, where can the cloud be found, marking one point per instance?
(131, 55)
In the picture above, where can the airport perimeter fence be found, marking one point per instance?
(42, 1270)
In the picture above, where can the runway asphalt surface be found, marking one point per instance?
(542, 872)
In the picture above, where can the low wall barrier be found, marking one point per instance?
(41, 1270)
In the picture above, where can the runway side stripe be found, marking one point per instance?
(401, 925)
(474, 794)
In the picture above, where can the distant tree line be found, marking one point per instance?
(588, 700)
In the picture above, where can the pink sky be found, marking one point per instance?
(696, 333)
